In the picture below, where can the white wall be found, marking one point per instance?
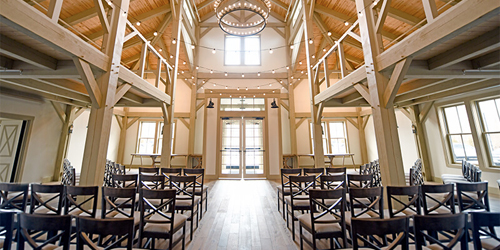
(285, 131)
(44, 140)
(198, 135)
(273, 125)
(211, 139)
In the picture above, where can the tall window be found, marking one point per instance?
(458, 134)
(242, 50)
(334, 137)
(490, 117)
(150, 137)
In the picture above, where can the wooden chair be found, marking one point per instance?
(125, 180)
(392, 233)
(433, 231)
(282, 189)
(326, 219)
(365, 203)
(43, 231)
(120, 203)
(438, 199)
(316, 172)
(333, 182)
(359, 180)
(336, 171)
(406, 197)
(75, 207)
(149, 171)
(298, 186)
(473, 196)
(202, 189)
(160, 221)
(6, 229)
(167, 172)
(94, 233)
(13, 196)
(186, 200)
(151, 181)
(483, 231)
(46, 199)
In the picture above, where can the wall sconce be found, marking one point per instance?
(210, 104)
(273, 104)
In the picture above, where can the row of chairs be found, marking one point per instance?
(470, 173)
(158, 220)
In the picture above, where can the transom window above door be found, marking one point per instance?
(242, 51)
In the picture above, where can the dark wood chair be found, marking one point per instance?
(13, 196)
(125, 180)
(365, 203)
(282, 189)
(359, 180)
(151, 181)
(403, 200)
(149, 170)
(46, 199)
(441, 231)
(473, 196)
(160, 221)
(333, 182)
(336, 171)
(43, 231)
(326, 219)
(167, 172)
(186, 200)
(86, 205)
(6, 229)
(316, 172)
(202, 189)
(119, 203)
(392, 233)
(299, 187)
(438, 199)
(483, 230)
(95, 233)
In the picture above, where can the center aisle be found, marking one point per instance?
(242, 215)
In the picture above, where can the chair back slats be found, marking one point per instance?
(336, 170)
(46, 199)
(6, 228)
(359, 180)
(68, 174)
(333, 182)
(55, 227)
(157, 213)
(285, 176)
(316, 172)
(92, 233)
(416, 174)
(167, 172)
(473, 196)
(328, 202)
(359, 205)
(13, 196)
(403, 200)
(125, 180)
(438, 198)
(151, 181)
(435, 229)
(483, 227)
(372, 168)
(117, 201)
(184, 185)
(199, 173)
(300, 185)
(363, 230)
(153, 171)
(74, 206)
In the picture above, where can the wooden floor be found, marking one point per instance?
(244, 215)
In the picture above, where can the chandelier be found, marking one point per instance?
(224, 12)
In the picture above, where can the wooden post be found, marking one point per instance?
(96, 144)
(384, 118)
(168, 111)
(194, 88)
(63, 141)
(291, 98)
(123, 138)
(319, 156)
(421, 141)
(362, 137)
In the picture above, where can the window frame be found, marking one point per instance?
(157, 137)
(482, 130)
(447, 135)
(242, 51)
(326, 133)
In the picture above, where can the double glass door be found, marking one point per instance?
(242, 152)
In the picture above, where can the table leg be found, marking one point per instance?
(131, 161)
(141, 160)
(343, 160)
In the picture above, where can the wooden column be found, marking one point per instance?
(101, 114)
(168, 111)
(362, 137)
(417, 121)
(63, 140)
(291, 96)
(319, 156)
(123, 137)
(384, 118)
(194, 88)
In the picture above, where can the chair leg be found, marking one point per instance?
(191, 235)
(200, 211)
(278, 196)
(293, 226)
(301, 240)
(184, 236)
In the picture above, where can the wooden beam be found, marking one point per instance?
(454, 22)
(280, 4)
(121, 91)
(59, 111)
(402, 16)
(143, 85)
(19, 51)
(354, 123)
(300, 122)
(341, 86)
(425, 111)
(205, 32)
(319, 113)
(186, 123)
(89, 81)
(281, 33)
(382, 15)
(430, 10)
(130, 123)
(284, 105)
(471, 49)
(54, 10)
(395, 81)
(277, 75)
(486, 61)
(199, 106)
(101, 13)
(444, 86)
(204, 4)
(364, 91)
